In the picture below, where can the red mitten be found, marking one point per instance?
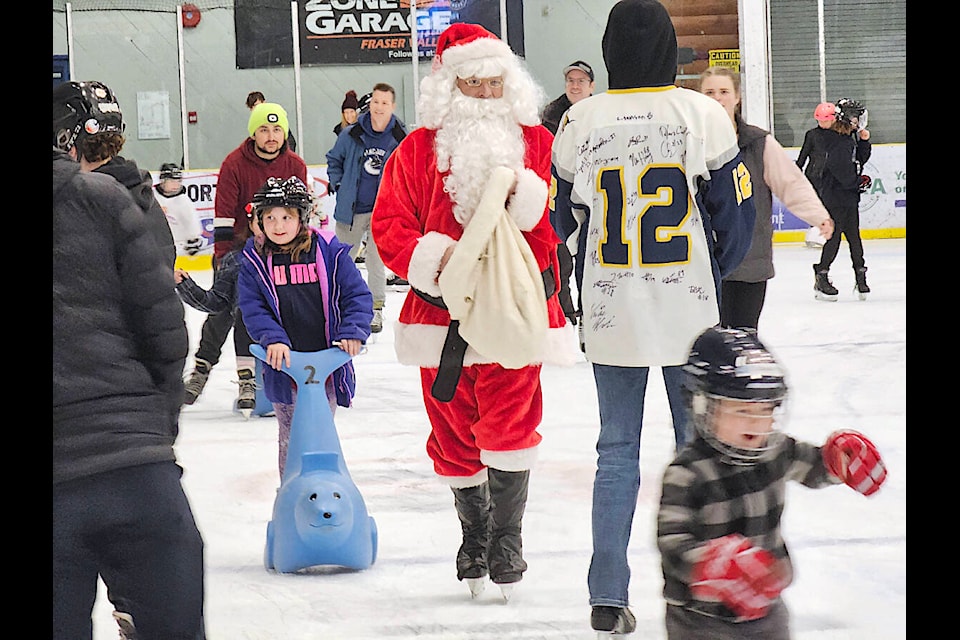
(851, 457)
(738, 574)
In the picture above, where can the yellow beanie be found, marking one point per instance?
(268, 113)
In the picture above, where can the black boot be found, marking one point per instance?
(508, 497)
(862, 288)
(822, 287)
(473, 508)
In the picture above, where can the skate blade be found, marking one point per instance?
(506, 591)
(476, 586)
(246, 413)
(861, 295)
(823, 296)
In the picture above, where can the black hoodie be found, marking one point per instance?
(639, 45)
(140, 185)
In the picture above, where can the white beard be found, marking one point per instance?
(476, 136)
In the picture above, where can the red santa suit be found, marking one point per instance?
(493, 417)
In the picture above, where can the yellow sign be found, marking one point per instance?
(725, 58)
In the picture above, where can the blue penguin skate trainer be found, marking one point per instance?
(319, 516)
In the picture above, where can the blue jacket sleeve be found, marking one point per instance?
(355, 302)
(727, 203)
(335, 159)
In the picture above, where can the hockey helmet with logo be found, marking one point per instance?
(848, 109)
(732, 364)
(170, 171)
(290, 193)
(825, 112)
(84, 109)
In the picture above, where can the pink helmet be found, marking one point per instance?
(825, 112)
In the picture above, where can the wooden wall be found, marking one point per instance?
(703, 25)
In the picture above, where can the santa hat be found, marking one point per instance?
(470, 50)
(466, 50)
(350, 101)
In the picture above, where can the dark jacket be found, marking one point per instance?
(839, 160)
(222, 295)
(704, 498)
(345, 160)
(140, 184)
(348, 307)
(119, 338)
(554, 111)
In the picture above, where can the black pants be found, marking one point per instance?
(846, 220)
(134, 528)
(214, 332)
(741, 303)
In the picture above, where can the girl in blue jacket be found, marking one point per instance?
(300, 290)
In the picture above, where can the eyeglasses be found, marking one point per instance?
(475, 83)
(580, 81)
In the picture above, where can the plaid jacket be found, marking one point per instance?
(704, 498)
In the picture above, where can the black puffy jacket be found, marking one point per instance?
(119, 338)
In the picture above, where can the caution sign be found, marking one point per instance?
(725, 58)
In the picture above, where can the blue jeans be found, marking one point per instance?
(620, 392)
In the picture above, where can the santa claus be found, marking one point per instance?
(479, 111)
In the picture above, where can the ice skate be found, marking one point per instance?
(508, 500)
(612, 621)
(247, 399)
(376, 325)
(194, 385)
(861, 288)
(125, 621)
(397, 283)
(823, 289)
(473, 510)
(476, 586)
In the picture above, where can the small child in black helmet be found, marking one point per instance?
(723, 571)
(180, 211)
(299, 290)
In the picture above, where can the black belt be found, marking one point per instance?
(455, 347)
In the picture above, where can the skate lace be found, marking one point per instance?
(196, 382)
(248, 389)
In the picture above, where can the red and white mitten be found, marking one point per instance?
(851, 457)
(738, 574)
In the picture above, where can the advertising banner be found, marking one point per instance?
(345, 32)
(883, 206)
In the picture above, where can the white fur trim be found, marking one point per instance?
(516, 460)
(464, 482)
(420, 345)
(425, 262)
(529, 202)
(478, 49)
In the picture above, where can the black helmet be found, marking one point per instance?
(170, 171)
(848, 109)
(83, 108)
(286, 193)
(732, 364)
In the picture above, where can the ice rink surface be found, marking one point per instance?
(847, 367)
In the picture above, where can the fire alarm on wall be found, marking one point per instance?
(192, 117)
(191, 15)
